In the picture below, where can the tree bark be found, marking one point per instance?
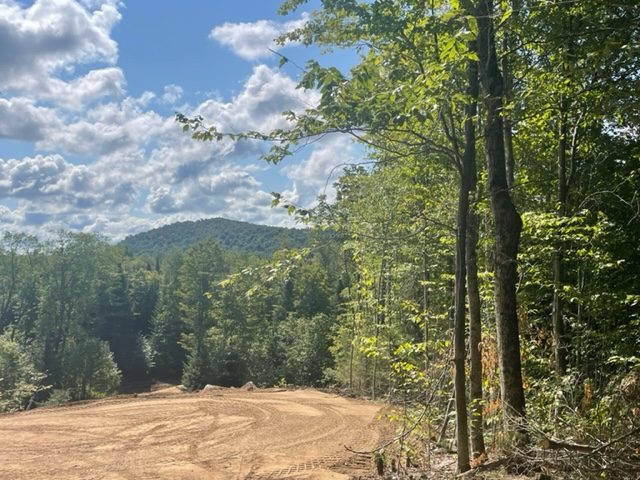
(473, 291)
(507, 221)
(510, 163)
(559, 348)
(459, 360)
(468, 180)
(475, 338)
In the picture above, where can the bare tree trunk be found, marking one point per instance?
(425, 304)
(510, 162)
(475, 338)
(473, 292)
(507, 221)
(558, 269)
(462, 429)
(445, 422)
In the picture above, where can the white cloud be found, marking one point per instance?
(77, 93)
(259, 106)
(209, 193)
(54, 185)
(172, 93)
(41, 40)
(8, 216)
(107, 128)
(21, 119)
(252, 41)
(316, 175)
(127, 167)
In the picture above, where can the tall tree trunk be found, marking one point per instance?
(473, 291)
(507, 221)
(462, 429)
(558, 268)
(560, 353)
(475, 337)
(510, 163)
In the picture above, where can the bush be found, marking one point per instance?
(59, 397)
(89, 370)
(20, 381)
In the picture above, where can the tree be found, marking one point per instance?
(167, 324)
(506, 219)
(202, 265)
(89, 369)
(20, 381)
(118, 328)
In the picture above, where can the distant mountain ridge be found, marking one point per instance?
(261, 240)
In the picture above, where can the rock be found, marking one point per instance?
(210, 388)
(249, 386)
(182, 388)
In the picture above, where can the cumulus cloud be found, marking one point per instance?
(172, 93)
(227, 190)
(21, 119)
(56, 185)
(209, 193)
(259, 106)
(252, 41)
(40, 40)
(77, 93)
(107, 128)
(8, 216)
(316, 174)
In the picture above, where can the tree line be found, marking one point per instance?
(81, 319)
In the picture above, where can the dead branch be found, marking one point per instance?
(485, 467)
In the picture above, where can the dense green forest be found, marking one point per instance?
(232, 235)
(81, 318)
(488, 245)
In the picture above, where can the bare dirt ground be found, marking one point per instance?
(222, 434)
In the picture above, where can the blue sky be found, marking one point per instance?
(87, 100)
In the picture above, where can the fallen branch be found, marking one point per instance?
(548, 444)
(484, 468)
(408, 431)
(616, 440)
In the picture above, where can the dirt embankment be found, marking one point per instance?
(219, 434)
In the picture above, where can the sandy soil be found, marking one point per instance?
(221, 434)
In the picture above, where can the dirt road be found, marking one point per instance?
(224, 434)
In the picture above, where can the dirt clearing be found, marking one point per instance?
(221, 434)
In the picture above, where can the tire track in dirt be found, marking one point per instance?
(232, 434)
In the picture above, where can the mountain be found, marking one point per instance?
(240, 236)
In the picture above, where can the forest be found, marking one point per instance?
(479, 269)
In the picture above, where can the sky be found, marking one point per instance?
(88, 95)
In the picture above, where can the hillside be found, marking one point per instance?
(240, 236)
